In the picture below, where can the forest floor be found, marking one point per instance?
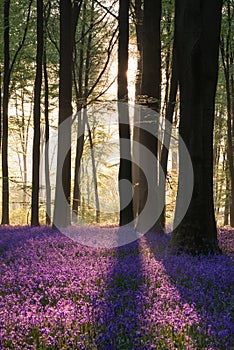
(58, 294)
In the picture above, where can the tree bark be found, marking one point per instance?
(136, 129)
(170, 108)
(197, 33)
(150, 96)
(79, 92)
(62, 212)
(37, 116)
(47, 146)
(125, 168)
(227, 60)
(6, 82)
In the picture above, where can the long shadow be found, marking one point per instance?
(206, 283)
(13, 236)
(118, 316)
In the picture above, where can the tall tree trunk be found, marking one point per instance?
(125, 167)
(227, 60)
(197, 33)
(86, 85)
(81, 124)
(150, 98)
(37, 116)
(47, 147)
(167, 137)
(136, 129)
(95, 183)
(0, 108)
(79, 152)
(62, 213)
(6, 82)
(227, 196)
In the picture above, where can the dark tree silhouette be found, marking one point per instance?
(6, 82)
(125, 168)
(150, 96)
(37, 116)
(197, 33)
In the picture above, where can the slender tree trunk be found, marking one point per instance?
(167, 137)
(0, 108)
(136, 129)
(197, 33)
(79, 152)
(81, 124)
(125, 168)
(87, 71)
(6, 82)
(62, 212)
(95, 182)
(227, 60)
(47, 147)
(150, 98)
(37, 116)
(24, 151)
(227, 196)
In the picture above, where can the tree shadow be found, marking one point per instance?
(13, 236)
(206, 284)
(118, 314)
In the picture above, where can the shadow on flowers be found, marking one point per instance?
(203, 292)
(117, 316)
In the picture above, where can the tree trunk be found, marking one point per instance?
(0, 108)
(136, 129)
(47, 147)
(79, 94)
(87, 71)
(6, 82)
(167, 137)
(150, 96)
(227, 60)
(197, 32)
(37, 116)
(95, 183)
(62, 213)
(79, 152)
(227, 197)
(125, 168)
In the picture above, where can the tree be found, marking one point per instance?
(37, 116)
(6, 83)
(227, 54)
(92, 44)
(150, 96)
(197, 33)
(125, 168)
(138, 19)
(62, 213)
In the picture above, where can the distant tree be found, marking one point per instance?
(169, 112)
(92, 44)
(197, 34)
(170, 95)
(227, 54)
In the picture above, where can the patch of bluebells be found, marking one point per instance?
(57, 294)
